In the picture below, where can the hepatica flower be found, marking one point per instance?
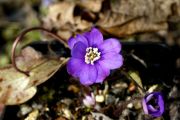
(92, 57)
(89, 100)
(153, 104)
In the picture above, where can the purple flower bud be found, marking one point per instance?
(89, 101)
(153, 104)
(92, 57)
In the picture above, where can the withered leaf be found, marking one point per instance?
(15, 87)
(155, 11)
(43, 72)
(81, 24)
(60, 16)
(92, 5)
(128, 17)
(17, 97)
(61, 13)
(137, 78)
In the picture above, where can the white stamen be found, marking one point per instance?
(92, 55)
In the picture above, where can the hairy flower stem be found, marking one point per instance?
(20, 37)
(129, 77)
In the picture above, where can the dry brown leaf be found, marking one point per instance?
(15, 87)
(60, 17)
(65, 34)
(133, 16)
(44, 71)
(81, 24)
(112, 19)
(63, 17)
(61, 13)
(118, 17)
(92, 5)
(135, 26)
(12, 83)
(154, 11)
(18, 97)
(27, 55)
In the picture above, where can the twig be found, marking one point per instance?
(20, 37)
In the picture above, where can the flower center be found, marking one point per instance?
(92, 54)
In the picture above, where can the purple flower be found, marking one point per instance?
(153, 104)
(92, 58)
(89, 101)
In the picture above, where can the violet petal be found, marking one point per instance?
(148, 98)
(88, 75)
(110, 45)
(156, 114)
(89, 101)
(151, 108)
(102, 73)
(161, 103)
(79, 38)
(79, 50)
(94, 37)
(144, 106)
(73, 66)
(111, 60)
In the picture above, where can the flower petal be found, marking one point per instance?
(73, 66)
(161, 103)
(94, 37)
(79, 38)
(111, 60)
(148, 98)
(110, 45)
(103, 72)
(88, 74)
(79, 50)
(156, 114)
(89, 101)
(144, 106)
(151, 108)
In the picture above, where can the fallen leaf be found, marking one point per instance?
(15, 87)
(137, 78)
(128, 17)
(132, 26)
(154, 11)
(61, 13)
(81, 24)
(21, 96)
(92, 5)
